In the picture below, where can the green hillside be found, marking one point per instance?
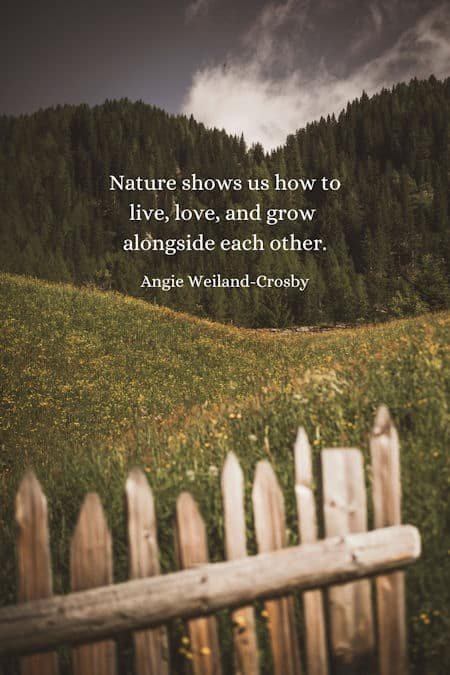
(96, 382)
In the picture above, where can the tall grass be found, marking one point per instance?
(95, 383)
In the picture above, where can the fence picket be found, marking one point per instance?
(192, 551)
(350, 605)
(244, 632)
(91, 565)
(313, 609)
(33, 562)
(349, 556)
(151, 654)
(268, 508)
(390, 588)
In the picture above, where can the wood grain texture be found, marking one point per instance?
(268, 509)
(313, 606)
(98, 613)
(151, 653)
(91, 565)
(390, 589)
(350, 606)
(244, 631)
(34, 572)
(192, 551)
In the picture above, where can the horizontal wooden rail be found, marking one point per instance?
(103, 612)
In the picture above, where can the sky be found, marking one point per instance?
(262, 68)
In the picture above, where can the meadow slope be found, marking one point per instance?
(96, 382)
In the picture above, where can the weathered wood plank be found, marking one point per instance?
(144, 603)
(91, 565)
(151, 654)
(313, 608)
(34, 572)
(192, 551)
(268, 508)
(390, 589)
(350, 606)
(244, 632)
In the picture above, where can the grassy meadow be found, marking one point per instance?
(94, 383)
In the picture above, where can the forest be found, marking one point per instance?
(386, 230)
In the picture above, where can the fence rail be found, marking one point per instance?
(332, 573)
(91, 615)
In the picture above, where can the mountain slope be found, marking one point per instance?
(387, 229)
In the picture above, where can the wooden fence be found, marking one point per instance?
(343, 633)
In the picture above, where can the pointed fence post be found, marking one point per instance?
(268, 508)
(244, 632)
(151, 655)
(192, 551)
(350, 605)
(390, 588)
(91, 565)
(33, 562)
(313, 608)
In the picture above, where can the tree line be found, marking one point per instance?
(386, 229)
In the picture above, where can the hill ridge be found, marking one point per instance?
(385, 230)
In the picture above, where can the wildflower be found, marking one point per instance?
(205, 651)
(190, 475)
(213, 471)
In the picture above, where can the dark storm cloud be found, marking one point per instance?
(264, 68)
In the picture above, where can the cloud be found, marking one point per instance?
(377, 17)
(419, 52)
(196, 8)
(265, 94)
(371, 28)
